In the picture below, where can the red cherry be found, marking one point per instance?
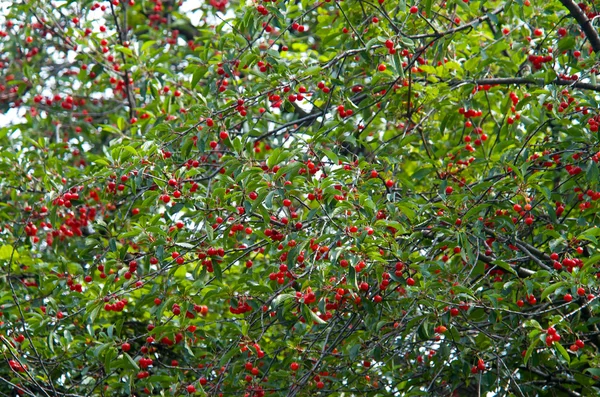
(568, 297)
(410, 281)
(449, 190)
(125, 347)
(223, 135)
(481, 365)
(414, 9)
(580, 291)
(520, 303)
(191, 389)
(294, 366)
(252, 195)
(381, 68)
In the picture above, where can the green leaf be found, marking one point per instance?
(132, 363)
(198, 74)
(566, 43)
(217, 271)
(551, 288)
(593, 371)
(109, 356)
(505, 266)
(280, 298)
(530, 350)
(272, 160)
(310, 315)
(6, 252)
(124, 50)
(562, 352)
(352, 278)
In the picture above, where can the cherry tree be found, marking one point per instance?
(298, 198)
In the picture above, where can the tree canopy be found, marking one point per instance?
(298, 198)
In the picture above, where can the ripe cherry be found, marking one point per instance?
(481, 365)
(520, 303)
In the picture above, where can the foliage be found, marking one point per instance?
(289, 198)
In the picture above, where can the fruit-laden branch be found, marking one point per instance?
(529, 80)
(122, 33)
(469, 25)
(584, 22)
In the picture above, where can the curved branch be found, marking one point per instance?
(584, 22)
(529, 80)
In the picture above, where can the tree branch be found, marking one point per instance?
(584, 22)
(529, 80)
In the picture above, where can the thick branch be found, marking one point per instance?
(584, 22)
